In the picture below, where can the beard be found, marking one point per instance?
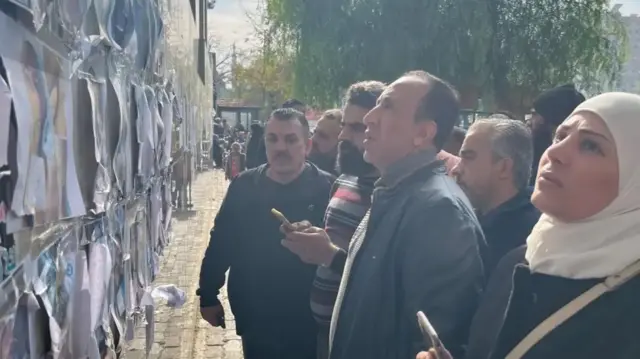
(324, 161)
(351, 160)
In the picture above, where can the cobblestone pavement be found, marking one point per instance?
(182, 333)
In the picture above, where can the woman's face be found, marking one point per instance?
(578, 173)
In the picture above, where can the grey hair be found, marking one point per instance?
(511, 139)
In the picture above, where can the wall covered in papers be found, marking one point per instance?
(96, 99)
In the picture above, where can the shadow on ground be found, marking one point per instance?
(183, 215)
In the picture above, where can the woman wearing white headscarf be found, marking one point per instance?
(579, 294)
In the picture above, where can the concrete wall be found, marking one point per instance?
(182, 34)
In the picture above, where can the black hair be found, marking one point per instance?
(364, 94)
(289, 114)
(440, 104)
(293, 103)
(458, 133)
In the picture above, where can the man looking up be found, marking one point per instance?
(417, 247)
(494, 172)
(268, 286)
(350, 201)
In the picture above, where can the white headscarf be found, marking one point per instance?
(608, 242)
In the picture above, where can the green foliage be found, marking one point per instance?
(264, 76)
(484, 47)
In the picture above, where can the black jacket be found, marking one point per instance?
(418, 250)
(268, 286)
(507, 227)
(487, 321)
(256, 152)
(517, 300)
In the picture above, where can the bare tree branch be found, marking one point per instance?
(224, 60)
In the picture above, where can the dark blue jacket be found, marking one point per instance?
(417, 249)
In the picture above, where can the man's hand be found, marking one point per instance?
(214, 315)
(311, 244)
(431, 354)
(295, 227)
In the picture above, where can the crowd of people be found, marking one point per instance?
(517, 240)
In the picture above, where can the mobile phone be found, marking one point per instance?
(430, 335)
(282, 218)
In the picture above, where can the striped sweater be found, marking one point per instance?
(350, 201)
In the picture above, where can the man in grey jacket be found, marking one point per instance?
(418, 246)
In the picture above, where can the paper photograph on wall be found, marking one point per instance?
(5, 113)
(47, 184)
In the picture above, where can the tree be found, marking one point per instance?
(223, 57)
(263, 76)
(264, 79)
(508, 50)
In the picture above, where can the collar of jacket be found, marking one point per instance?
(521, 200)
(262, 173)
(405, 167)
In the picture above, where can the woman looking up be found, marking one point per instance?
(586, 245)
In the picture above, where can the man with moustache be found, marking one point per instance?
(268, 286)
(325, 140)
(350, 201)
(417, 248)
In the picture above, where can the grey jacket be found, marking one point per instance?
(418, 248)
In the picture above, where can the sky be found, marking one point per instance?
(229, 23)
(628, 6)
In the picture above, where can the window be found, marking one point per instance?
(193, 8)
(202, 19)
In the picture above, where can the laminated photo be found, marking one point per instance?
(47, 185)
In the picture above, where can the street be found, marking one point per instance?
(182, 333)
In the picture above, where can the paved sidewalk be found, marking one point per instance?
(182, 333)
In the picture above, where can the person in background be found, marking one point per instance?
(448, 154)
(494, 172)
(226, 128)
(239, 127)
(325, 141)
(586, 245)
(217, 150)
(256, 151)
(296, 105)
(549, 110)
(449, 160)
(178, 175)
(455, 141)
(268, 286)
(417, 248)
(351, 199)
(218, 129)
(236, 162)
(242, 137)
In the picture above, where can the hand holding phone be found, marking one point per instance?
(431, 336)
(285, 222)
